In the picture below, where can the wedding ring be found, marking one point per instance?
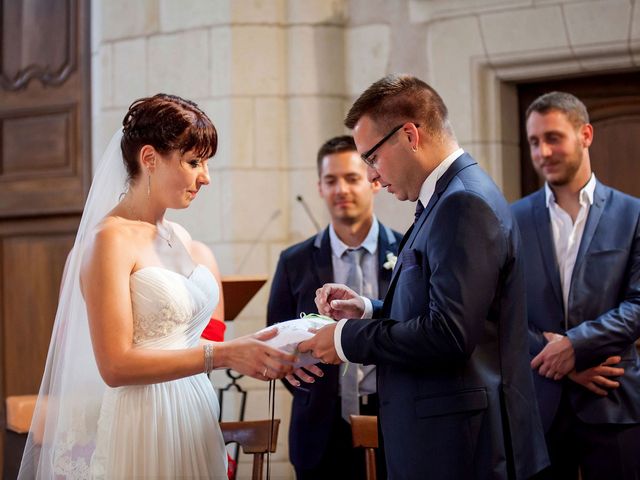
(264, 374)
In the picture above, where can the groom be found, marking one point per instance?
(450, 339)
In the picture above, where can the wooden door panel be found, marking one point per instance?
(44, 107)
(615, 152)
(32, 258)
(31, 265)
(45, 173)
(38, 42)
(41, 164)
(46, 154)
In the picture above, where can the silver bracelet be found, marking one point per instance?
(208, 357)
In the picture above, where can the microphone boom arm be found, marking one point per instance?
(308, 212)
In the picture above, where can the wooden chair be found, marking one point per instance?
(253, 437)
(364, 429)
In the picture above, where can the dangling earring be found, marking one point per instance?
(148, 185)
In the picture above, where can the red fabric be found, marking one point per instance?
(214, 331)
(231, 467)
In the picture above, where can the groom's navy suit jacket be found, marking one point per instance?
(302, 269)
(604, 301)
(450, 341)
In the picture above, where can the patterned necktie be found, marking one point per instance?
(349, 375)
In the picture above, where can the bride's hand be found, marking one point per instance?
(250, 356)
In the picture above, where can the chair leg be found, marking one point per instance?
(258, 462)
(13, 448)
(370, 457)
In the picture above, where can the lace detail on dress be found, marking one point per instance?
(72, 458)
(158, 324)
(166, 303)
(74, 445)
(67, 467)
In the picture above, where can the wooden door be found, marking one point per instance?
(613, 102)
(44, 174)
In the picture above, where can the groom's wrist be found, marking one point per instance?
(337, 340)
(368, 308)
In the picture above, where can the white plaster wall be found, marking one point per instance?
(277, 76)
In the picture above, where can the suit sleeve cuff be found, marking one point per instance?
(580, 350)
(337, 340)
(368, 308)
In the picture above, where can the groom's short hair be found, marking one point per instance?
(396, 99)
(342, 143)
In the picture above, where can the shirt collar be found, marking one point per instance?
(586, 193)
(370, 243)
(429, 185)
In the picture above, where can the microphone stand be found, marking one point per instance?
(308, 212)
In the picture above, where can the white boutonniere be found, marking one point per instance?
(391, 261)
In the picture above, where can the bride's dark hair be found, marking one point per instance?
(167, 123)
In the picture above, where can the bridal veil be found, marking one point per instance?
(61, 440)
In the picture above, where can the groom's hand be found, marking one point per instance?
(321, 345)
(339, 301)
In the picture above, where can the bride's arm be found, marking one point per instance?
(105, 284)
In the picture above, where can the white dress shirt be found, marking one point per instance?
(426, 192)
(567, 235)
(369, 263)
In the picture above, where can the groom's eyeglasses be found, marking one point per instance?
(366, 156)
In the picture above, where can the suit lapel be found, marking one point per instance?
(545, 241)
(405, 237)
(595, 212)
(463, 161)
(322, 257)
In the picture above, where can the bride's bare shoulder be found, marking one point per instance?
(116, 237)
(114, 229)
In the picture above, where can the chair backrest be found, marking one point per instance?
(364, 429)
(257, 437)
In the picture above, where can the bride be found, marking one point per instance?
(125, 392)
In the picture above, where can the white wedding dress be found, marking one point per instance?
(170, 429)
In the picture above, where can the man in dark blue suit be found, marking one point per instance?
(450, 339)
(582, 262)
(320, 442)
